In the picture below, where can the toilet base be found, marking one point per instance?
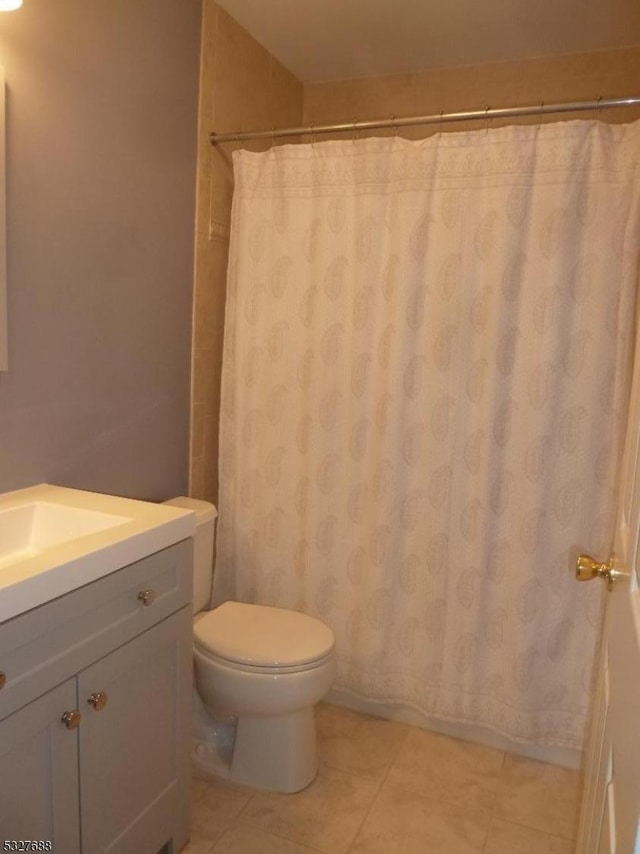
(277, 753)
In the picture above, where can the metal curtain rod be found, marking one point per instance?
(406, 121)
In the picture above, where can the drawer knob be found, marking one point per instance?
(71, 719)
(3, 680)
(147, 597)
(98, 700)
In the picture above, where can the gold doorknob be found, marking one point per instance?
(71, 719)
(147, 597)
(588, 567)
(98, 700)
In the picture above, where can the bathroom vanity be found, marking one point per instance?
(95, 686)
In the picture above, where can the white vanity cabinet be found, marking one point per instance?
(95, 713)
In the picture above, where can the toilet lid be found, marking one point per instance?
(262, 636)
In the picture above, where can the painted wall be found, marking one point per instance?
(101, 171)
(241, 86)
(606, 74)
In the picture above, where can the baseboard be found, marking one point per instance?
(563, 756)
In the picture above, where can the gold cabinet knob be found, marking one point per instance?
(147, 597)
(3, 680)
(71, 719)
(588, 567)
(98, 700)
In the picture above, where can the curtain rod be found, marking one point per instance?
(436, 118)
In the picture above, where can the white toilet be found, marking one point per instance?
(259, 671)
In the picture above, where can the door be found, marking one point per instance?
(39, 780)
(135, 742)
(610, 818)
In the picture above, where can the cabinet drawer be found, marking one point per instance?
(42, 648)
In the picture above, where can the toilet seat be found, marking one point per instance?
(260, 638)
(261, 670)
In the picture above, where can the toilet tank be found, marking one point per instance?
(206, 515)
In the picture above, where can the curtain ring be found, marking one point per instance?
(441, 121)
(394, 126)
(598, 108)
(487, 120)
(312, 132)
(355, 131)
(540, 114)
(273, 136)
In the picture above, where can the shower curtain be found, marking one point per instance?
(427, 351)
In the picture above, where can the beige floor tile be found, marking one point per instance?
(242, 839)
(506, 838)
(215, 804)
(325, 816)
(357, 744)
(561, 846)
(440, 767)
(540, 796)
(402, 822)
(202, 846)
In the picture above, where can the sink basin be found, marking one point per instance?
(30, 529)
(54, 540)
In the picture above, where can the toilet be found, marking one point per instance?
(258, 673)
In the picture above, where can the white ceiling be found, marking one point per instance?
(335, 39)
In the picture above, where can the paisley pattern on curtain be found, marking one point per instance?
(426, 365)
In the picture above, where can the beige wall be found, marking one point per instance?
(101, 157)
(241, 87)
(607, 73)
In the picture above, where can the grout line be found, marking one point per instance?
(495, 801)
(280, 836)
(537, 830)
(365, 817)
(492, 814)
(488, 831)
(381, 783)
(246, 806)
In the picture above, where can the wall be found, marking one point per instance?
(241, 87)
(101, 159)
(585, 76)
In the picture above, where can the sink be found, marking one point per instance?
(30, 529)
(54, 540)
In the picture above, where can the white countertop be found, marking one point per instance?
(39, 574)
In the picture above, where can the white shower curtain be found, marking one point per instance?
(426, 358)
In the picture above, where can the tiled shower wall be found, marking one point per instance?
(241, 87)
(576, 77)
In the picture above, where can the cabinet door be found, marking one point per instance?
(135, 750)
(39, 773)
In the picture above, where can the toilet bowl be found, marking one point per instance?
(258, 673)
(268, 667)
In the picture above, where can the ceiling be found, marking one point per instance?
(335, 39)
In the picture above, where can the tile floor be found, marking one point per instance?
(386, 788)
